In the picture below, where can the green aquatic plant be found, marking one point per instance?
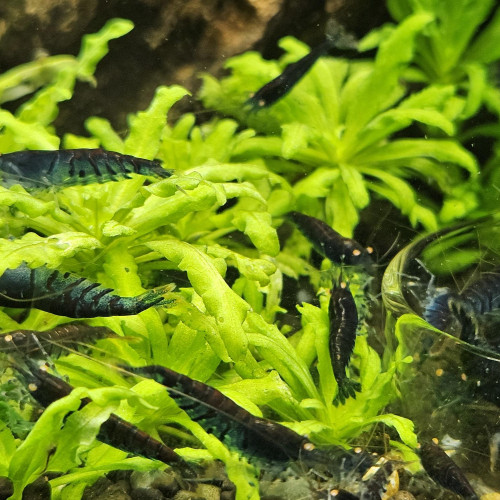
(460, 48)
(30, 127)
(209, 323)
(457, 48)
(211, 228)
(128, 235)
(333, 137)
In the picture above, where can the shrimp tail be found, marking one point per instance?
(347, 388)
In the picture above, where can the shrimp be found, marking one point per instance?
(271, 92)
(219, 415)
(46, 388)
(483, 295)
(444, 470)
(280, 86)
(70, 167)
(259, 438)
(67, 294)
(35, 343)
(331, 244)
(343, 316)
(437, 311)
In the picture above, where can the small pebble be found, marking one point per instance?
(208, 491)
(292, 489)
(187, 495)
(228, 495)
(147, 494)
(115, 491)
(402, 495)
(93, 491)
(165, 481)
(228, 485)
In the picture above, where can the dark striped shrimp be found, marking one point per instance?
(442, 469)
(70, 167)
(258, 438)
(482, 295)
(35, 343)
(331, 244)
(67, 294)
(115, 431)
(437, 310)
(343, 316)
(233, 425)
(280, 86)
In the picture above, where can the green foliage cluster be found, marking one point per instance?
(325, 149)
(339, 135)
(128, 235)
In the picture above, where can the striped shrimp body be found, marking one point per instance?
(480, 297)
(445, 471)
(343, 316)
(46, 388)
(67, 294)
(70, 167)
(438, 308)
(483, 295)
(280, 86)
(219, 415)
(331, 244)
(51, 342)
(260, 439)
(476, 312)
(337, 40)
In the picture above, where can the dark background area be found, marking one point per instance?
(172, 42)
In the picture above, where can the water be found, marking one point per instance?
(452, 390)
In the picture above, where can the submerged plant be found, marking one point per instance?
(458, 47)
(210, 227)
(338, 124)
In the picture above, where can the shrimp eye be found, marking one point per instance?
(8, 338)
(309, 446)
(356, 252)
(32, 387)
(369, 250)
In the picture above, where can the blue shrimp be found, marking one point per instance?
(70, 295)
